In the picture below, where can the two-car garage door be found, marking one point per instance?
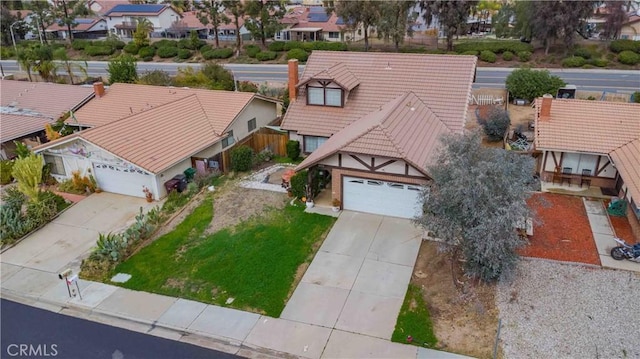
(381, 197)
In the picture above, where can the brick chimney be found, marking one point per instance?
(98, 88)
(545, 107)
(293, 79)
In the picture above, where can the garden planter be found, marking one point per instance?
(309, 204)
(335, 209)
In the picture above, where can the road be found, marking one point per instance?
(40, 333)
(587, 80)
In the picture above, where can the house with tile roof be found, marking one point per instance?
(631, 28)
(86, 28)
(26, 107)
(312, 23)
(122, 19)
(142, 135)
(592, 143)
(370, 123)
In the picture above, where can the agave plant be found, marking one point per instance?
(110, 245)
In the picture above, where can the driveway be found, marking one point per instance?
(358, 279)
(66, 240)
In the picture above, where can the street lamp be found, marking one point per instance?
(13, 38)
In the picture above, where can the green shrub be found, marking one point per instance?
(12, 197)
(241, 158)
(131, 48)
(574, 61)
(5, 171)
(266, 55)
(308, 46)
(276, 46)
(618, 46)
(628, 57)
(188, 44)
(325, 45)
(299, 54)
(205, 48)
(524, 56)
(165, 43)
(298, 184)
(598, 62)
(184, 54)
(470, 52)
(488, 56)
(529, 84)
(115, 44)
(98, 50)
(166, 52)
(497, 47)
(293, 45)
(223, 53)
(80, 44)
(147, 51)
(293, 149)
(147, 58)
(496, 124)
(582, 52)
(252, 50)
(635, 97)
(507, 56)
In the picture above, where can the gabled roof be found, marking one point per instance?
(136, 9)
(84, 24)
(627, 160)
(305, 17)
(28, 106)
(338, 73)
(442, 82)
(403, 128)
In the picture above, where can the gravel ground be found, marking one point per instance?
(554, 310)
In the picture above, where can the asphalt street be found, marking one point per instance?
(35, 333)
(626, 81)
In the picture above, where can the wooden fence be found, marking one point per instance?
(262, 139)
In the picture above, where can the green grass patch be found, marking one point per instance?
(255, 263)
(414, 320)
(283, 159)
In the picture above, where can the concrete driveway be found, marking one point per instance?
(358, 279)
(69, 238)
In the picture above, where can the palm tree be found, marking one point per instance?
(47, 69)
(69, 66)
(26, 61)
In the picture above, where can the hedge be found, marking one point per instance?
(188, 44)
(146, 51)
(524, 56)
(205, 48)
(266, 55)
(184, 54)
(116, 44)
(329, 46)
(131, 48)
(618, 46)
(598, 62)
(166, 52)
(292, 45)
(165, 43)
(497, 47)
(299, 184)
(98, 50)
(470, 52)
(488, 56)
(507, 56)
(80, 44)
(574, 61)
(223, 53)
(277, 46)
(241, 158)
(582, 52)
(252, 50)
(299, 54)
(629, 57)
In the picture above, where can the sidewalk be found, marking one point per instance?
(603, 236)
(228, 330)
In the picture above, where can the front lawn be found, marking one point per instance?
(255, 263)
(414, 320)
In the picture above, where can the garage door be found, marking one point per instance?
(129, 182)
(381, 197)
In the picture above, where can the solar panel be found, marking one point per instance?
(84, 21)
(136, 8)
(318, 17)
(316, 9)
(340, 21)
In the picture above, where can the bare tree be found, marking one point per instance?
(452, 15)
(212, 12)
(237, 9)
(551, 20)
(616, 17)
(475, 202)
(356, 13)
(264, 18)
(395, 21)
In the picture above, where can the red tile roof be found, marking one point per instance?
(627, 161)
(82, 26)
(338, 73)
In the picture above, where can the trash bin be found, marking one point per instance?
(190, 173)
(182, 182)
(171, 185)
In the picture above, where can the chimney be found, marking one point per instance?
(545, 107)
(293, 79)
(98, 88)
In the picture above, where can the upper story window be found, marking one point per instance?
(324, 96)
(229, 140)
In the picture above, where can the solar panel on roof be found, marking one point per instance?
(84, 21)
(340, 21)
(137, 8)
(317, 17)
(316, 9)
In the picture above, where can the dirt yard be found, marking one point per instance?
(464, 315)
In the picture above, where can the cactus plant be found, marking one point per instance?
(28, 172)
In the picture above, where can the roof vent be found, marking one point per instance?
(388, 66)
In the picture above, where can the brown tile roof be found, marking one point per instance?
(106, 5)
(28, 106)
(404, 128)
(627, 161)
(338, 73)
(83, 25)
(587, 126)
(299, 17)
(442, 82)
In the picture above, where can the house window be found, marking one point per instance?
(334, 35)
(311, 143)
(252, 124)
(324, 96)
(55, 162)
(229, 140)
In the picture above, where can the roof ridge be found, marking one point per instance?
(209, 121)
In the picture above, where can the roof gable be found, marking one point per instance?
(338, 73)
(627, 160)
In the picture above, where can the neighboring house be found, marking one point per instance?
(87, 28)
(29, 18)
(123, 19)
(28, 106)
(226, 32)
(145, 135)
(591, 142)
(372, 122)
(101, 7)
(312, 23)
(631, 29)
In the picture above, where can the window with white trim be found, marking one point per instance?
(56, 164)
(252, 124)
(334, 35)
(229, 140)
(311, 143)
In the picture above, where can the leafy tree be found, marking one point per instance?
(67, 11)
(356, 13)
(616, 16)
(395, 21)
(241, 158)
(212, 12)
(529, 84)
(44, 16)
(123, 69)
(495, 124)
(237, 9)
(155, 78)
(501, 21)
(178, 5)
(452, 15)
(188, 77)
(69, 66)
(47, 69)
(477, 198)
(28, 172)
(221, 78)
(551, 20)
(26, 60)
(264, 18)
(523, 27)
(141, 35)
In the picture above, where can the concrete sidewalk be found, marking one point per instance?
(603, 234)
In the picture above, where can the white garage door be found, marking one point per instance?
(130, 183)
(380, 197)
